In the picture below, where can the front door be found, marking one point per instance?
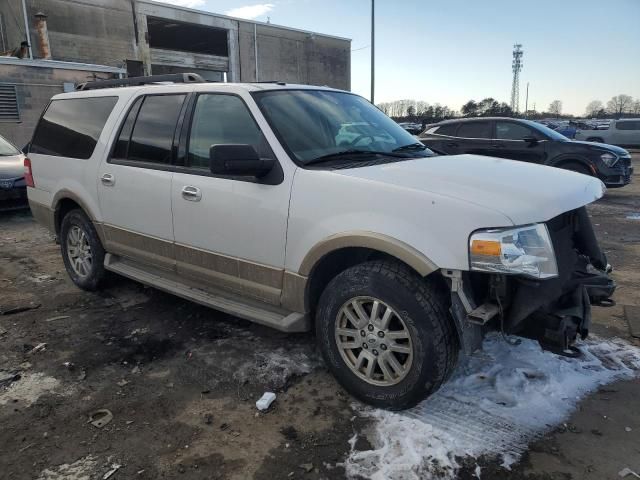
(230, 232)
(518, 142)
(134, 184)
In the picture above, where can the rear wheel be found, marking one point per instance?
(595, 139)
(577, 167)
(82, 251)
(386, 334)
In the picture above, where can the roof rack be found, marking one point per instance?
(137, 81)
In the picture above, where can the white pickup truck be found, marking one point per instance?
(624, 132)
(245, 198)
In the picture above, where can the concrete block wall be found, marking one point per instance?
(294, 56)
(87, 31)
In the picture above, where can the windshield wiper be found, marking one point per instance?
(348, 153)
(411, 146)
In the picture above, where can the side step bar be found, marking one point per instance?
(250, 310)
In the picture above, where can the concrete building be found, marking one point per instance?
(72, 41)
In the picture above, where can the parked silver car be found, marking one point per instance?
(13, 190)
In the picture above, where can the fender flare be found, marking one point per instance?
(374, 241)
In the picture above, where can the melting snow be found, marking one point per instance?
(81, 469)
(496, 403)
(29, 388)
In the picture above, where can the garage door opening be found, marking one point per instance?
(187, 37)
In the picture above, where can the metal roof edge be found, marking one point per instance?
(39, 63)
(265, 24)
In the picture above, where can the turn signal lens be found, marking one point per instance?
(526, 250)
(485, 247)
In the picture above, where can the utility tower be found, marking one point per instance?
(516, 66)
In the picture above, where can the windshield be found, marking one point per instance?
(314, 124)
(552, 134)
(7, 149)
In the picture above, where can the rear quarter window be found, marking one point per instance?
(71, 127)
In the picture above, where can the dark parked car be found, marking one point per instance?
(13, 189)
(529, 142)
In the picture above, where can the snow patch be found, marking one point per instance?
(81, 469)
(29, 388)
(495, 404)
(275, 368)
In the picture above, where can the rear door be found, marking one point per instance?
(474, 137)
(510, 142)
(134, 184)
(442, 139)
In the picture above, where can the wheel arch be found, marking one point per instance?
(563, 161)
(64, 201)
(340, 252)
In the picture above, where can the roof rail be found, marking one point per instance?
(136, 81)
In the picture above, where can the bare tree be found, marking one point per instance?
(619, 104)
(555, 108)
(635, 107)
(593, 108)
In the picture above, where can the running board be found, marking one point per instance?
(248, 310)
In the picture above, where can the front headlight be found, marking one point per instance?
(521, 250)
(609, 159)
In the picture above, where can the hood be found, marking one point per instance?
(621, 152)
(523, 192)
(11, 166)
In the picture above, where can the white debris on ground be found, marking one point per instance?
(496, 403)
(82, 469)
(29, 388)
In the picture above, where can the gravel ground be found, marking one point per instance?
(181, 381)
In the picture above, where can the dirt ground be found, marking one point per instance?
(181, 380)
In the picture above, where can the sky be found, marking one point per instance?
(451, 51)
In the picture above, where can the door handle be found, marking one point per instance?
(452, 144)
(497, 145)
(108, 180)
(193, 194)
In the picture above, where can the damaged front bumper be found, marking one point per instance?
(553, 311)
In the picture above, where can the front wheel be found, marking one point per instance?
(386, 334)
(82, 251)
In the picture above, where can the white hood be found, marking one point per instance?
(523, 192)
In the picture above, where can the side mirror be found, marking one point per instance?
(238, 160)
(530, 139)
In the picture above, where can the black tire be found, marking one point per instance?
(595, 139)
(422, 306)
(96, 273)
(577, 167)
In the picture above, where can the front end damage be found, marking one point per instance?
(553, 311)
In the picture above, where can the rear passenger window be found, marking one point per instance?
(475, 130)
(152, 135)
(71, 127)
(222, 119)
(449, 129)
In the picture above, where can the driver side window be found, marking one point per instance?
(218, 120)
(513, 131)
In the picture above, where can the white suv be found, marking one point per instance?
(240, 197)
